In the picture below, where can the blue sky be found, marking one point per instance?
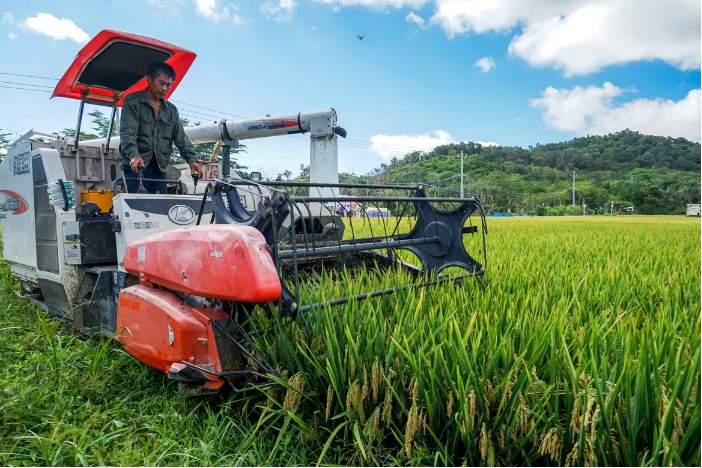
(428, 72)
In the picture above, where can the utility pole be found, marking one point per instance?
(461, 173)
(573, 188)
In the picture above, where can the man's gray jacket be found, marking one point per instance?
(141, 134)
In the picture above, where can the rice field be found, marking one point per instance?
(583, 349)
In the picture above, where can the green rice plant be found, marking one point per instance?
(575, 354)
(583, 349)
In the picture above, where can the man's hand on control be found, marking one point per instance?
(135, 163)
(195, 167)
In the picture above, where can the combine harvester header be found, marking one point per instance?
(174, 276)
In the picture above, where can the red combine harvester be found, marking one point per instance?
(173, 276)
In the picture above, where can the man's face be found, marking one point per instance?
(159, 85)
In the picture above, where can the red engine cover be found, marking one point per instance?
(158, 329)
(226, 262)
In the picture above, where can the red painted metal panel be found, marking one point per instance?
(227, 262)
(70, 85)
(158, 329)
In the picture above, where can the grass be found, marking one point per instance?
(584, 349)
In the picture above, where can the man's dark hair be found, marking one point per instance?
(157, 68)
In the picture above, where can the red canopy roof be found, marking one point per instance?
(114, 64)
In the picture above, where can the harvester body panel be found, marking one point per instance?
(160, 330)
(144, 214)
(227, 262)
(17, 209)
(111, 65)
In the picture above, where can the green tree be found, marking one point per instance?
(70, 132)
(4, 143)
(5, 139)
(304, 172)
(204, 152)
(502, 176)
(100, 126)
(101, 123)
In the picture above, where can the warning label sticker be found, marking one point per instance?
(71, 252)
(144, 225)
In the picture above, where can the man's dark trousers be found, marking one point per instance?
(152, 172)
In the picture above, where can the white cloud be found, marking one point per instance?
(583, 36)
(375, 4)
(591, 111)
(601, 34)
(282, 12)
(390, 146)
(412, 17)
(485, 64)
(7, 18)
(57, 28)
(11, 36)
(211, 10)
(480, 16)
(166, 5)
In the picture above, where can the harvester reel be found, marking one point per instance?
(447, 229)
(306, 233)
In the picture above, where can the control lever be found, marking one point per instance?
(142, 189)
(196, 177)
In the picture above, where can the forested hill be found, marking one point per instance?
(654, 174)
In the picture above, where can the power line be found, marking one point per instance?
(347, 142)
(194, 114)
(205, 108)
(27, 84)
(25, 89)
(381, 145)
(29, 76)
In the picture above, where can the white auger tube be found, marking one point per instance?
(320, 124)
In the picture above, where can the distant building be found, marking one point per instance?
(693, 209)
(378, 213)
(348, 209)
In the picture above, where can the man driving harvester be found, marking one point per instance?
(149, 127)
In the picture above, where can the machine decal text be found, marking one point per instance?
(267, 124)
(20, 164)
(211, 171)
(11, 201)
